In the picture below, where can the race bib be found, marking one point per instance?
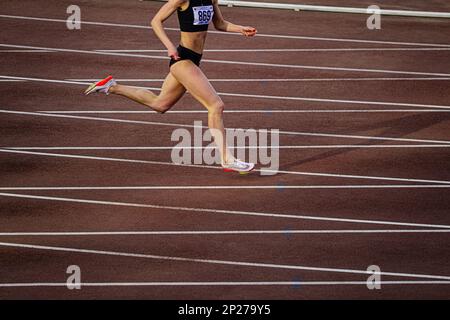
(203, 15)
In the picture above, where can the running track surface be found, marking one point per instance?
(365, 161)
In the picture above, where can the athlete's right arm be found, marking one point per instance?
(157, 24)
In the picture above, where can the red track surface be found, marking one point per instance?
(425, 253)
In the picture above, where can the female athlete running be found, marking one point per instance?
(194, 17)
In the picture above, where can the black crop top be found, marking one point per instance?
(197, 16)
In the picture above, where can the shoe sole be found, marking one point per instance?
(240, 172)
(90, 89)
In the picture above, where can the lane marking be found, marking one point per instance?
(297, 37)
(337, 146)
(285, 50)
(209, 187)
(317, 174)
(220, 232)
(358, 102)
(179, 125)
(211, 284)
(333, 9)
(25, 51)
(220, 211)
(219, 262)
(245, 63)
(44, 80)
(266, 111)
(288, 79)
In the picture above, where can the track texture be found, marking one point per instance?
(344, 167)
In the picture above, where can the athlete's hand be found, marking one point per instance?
(173, 53)
(248, 31)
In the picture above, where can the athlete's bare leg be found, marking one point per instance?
(195, 81)
(172, 90)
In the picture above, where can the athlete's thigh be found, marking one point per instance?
(195, 81)
(172, 90)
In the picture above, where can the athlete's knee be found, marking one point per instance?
(217, 107)
(161, 106)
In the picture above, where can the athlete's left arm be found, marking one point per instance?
(221, 24)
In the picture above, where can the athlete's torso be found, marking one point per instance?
(194, 17)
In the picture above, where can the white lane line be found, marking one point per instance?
(267, 111)
(215, 284)
(25, 51)
(226, 212)
(357, 102)
(44, 80)
(287, 50)
(218, 232)
(313, 174)
(317, 174)
(219, 262)
(11, 80)
(333, 9)
(138, 50)
(179, 125)
(233, 187)
(289, 79)
(244, 63)
(297, 37)
(337, 146)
